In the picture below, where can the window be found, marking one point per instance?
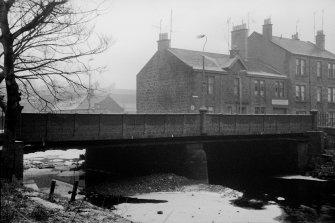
(230, 110)
(303, 67)
(300, 67)
(236, 86)
(331, 70)
(259, 88)
(279, 89)
(256, 83)
(318, 69)
(262, 88)
(331, 116)
(300, 92)
(210, 85)
(318, 94)
(331, 94)
(259, 110)
(241, 110)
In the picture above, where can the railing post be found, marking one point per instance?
(203, 112)
(314, 114)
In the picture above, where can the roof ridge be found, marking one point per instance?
(199, 51)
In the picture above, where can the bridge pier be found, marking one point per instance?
(195, 162)
(316, 142)
(302, 157)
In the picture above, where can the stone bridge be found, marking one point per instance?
(193, 145)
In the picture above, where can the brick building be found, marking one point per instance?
(179, 80)
(309, 67)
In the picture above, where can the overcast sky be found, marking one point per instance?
(134, 28)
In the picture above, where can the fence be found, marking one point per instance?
(326, 120)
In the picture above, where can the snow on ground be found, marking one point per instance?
(300, 177)
(196, 206)
(56, 154)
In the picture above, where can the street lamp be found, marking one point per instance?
(203, 66)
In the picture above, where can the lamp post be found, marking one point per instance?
(203, 68)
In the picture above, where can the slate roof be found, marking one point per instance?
(213, 61)
(81, 103)
(258, 68)
(301, 47)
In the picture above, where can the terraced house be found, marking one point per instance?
(262, 74)
(179, 80)
(309, 68)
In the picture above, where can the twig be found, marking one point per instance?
(22, 215)
(77, 210)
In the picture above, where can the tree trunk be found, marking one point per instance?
(13, 108)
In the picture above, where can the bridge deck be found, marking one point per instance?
(90, 127)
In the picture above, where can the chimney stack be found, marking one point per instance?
(295, 36)
(239, 41)
(234, 53)
(320, 39)
(267, 29)
(163, 42)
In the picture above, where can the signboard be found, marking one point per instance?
(279, 102)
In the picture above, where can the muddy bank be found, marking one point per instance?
(20, 204)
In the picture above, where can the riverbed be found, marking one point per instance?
(233, 198)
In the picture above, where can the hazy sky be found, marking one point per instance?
(134, 28)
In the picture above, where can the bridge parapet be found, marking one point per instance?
(81, 127)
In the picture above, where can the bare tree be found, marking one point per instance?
(43, 41)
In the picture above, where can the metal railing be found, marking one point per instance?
(326, 120)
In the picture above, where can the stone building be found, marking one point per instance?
(182, 81)
(309, 67)
(94, 104)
